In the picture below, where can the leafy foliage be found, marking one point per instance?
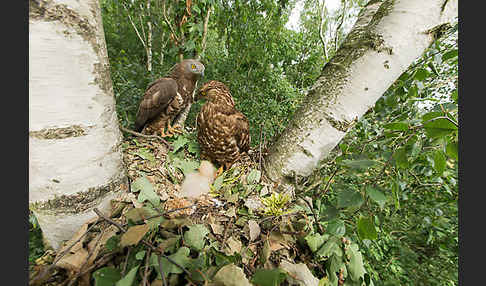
(384, 209)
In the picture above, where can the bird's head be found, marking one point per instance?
(215, 90)
(194, 67)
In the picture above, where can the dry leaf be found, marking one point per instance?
(231, 212)
(134, 235)
(76, 236)
(217, 228)
(234, 245)
(231, 275)
(73, 261)
(254, 203)
(254, 229)
(299, 274)
(277, 241)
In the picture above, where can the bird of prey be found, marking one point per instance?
(167, 97)
(223, 132)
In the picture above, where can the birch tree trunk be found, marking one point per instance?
(386, 38)
(75, 160)
(149, 39)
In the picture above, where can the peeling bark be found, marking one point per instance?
(75, 160)
(386, 38)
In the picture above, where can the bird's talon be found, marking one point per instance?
(219, 172)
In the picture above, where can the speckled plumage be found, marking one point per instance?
(166, 97)
(223, 132)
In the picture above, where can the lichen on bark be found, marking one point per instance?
(80, 201)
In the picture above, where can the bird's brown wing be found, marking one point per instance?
(155, 100)
(243, 131)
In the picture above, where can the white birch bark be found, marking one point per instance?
(386, 38)
(149, 39)
(75, 161)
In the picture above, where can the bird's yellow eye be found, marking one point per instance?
(193, 66)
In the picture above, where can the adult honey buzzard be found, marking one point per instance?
(222, 131)
(167, 97)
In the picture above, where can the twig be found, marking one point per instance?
(204, 277)
(336, 41)
(148, 244)
(101, 261)
(171, 211)
(321, 231)
(135, 27)
(161, 271)
(442, 117)
(145, 135)
(164, 12)
(328, 184)
(101, 215)
(146, 273)
(49, 268)
(278, 216)
(87, 259)
(126, 261)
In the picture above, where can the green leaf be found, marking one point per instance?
(439, 162)
(218, 183)
(366, 228)
(349, 198)
(316, 240)
(113, 242)
(186, 166)
(359, 164)
(432, 67)
(268, 277)
(397, 126)
(253, 177)
(437, 127)
(145, 154)
(179, 143)
(194, 148)
(181, 257)
(452, 150)
(421, 74)
(377, 196)
(450, 54)
(328, 212)
(454, 96)
(194, 237)
(355, 267)
(336, 227)
(330, 247)
(106, 276)
(140, 255)
(146, 189)
(129, 278)
(401, 159)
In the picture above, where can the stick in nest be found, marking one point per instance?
(145, 135)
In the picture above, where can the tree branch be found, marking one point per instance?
(145, 135)
(164, 12)
(321, 35)
(205, 33)
(336, 41)
(135, 27)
